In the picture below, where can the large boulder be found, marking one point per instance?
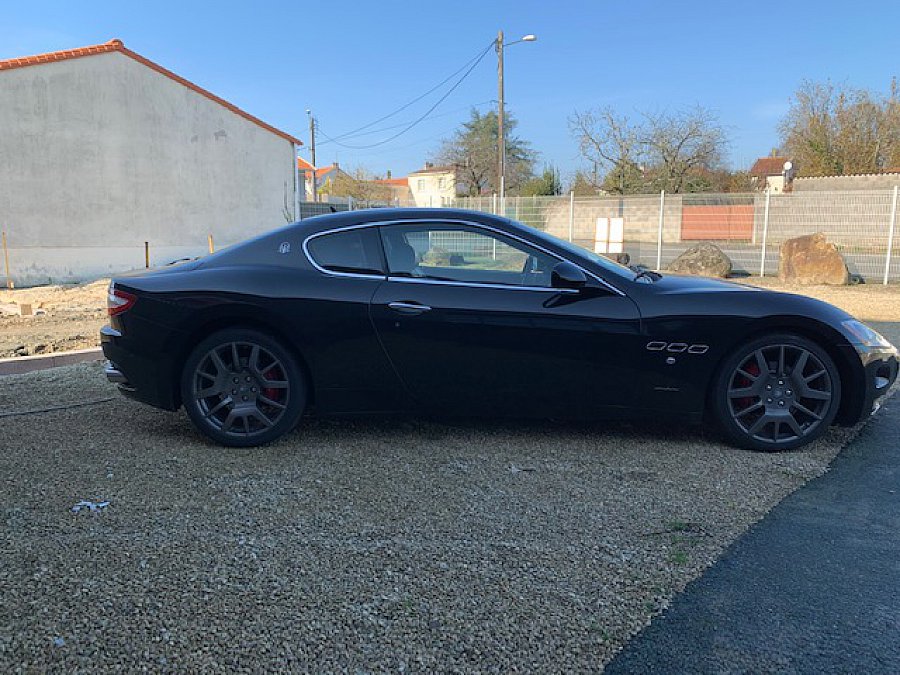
(812, 260)
(704, 259)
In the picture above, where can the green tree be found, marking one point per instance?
(583, 185)
(548, 184)
(473, 151)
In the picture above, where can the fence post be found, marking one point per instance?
(765, 235)
(494, 203)
(209, 241)
(890, 246)
(9, 283)
(147, 254)
(349, 203)
(659, 235)
(572, 216)
(518, 200)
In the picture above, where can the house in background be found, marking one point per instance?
(305, 174)
(773, 172)
(433, 185)
(399, 189)
(147, 156)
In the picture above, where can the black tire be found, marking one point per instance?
(243, 388)
(777, 392)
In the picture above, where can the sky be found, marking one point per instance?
(352, 63)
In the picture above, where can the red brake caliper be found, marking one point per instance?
(269, 392)
(753, 369)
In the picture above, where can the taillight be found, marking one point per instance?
(118, 301)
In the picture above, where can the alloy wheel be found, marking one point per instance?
(241, 389)
(779, 393)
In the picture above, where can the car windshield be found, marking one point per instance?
(601, 261)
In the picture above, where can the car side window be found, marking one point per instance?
(355, 251)
(464, 254)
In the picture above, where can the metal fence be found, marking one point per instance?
(750, 228)
(651, 229)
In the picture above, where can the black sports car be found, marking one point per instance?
(462, 313)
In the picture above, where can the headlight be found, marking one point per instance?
(864, 336)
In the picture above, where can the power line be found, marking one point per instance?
(440, 84)
(397, 126)
(421, 118)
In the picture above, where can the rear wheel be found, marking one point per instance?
(776, 393)
(242, 388)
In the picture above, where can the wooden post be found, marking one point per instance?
(212, 249)
(147, 254)
(9, 283)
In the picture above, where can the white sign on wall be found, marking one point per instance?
(610, 235)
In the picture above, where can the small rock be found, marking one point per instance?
(703, 259)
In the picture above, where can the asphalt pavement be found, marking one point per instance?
(812, 588)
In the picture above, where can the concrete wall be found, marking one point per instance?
(99, 154)
(872, 181)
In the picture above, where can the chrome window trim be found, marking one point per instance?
(351, 275)
(475, 284)
(450, 221)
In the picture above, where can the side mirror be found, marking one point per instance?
(567, 275)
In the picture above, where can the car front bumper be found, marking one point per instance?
(880, 366)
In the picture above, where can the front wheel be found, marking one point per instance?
(242, 388)
(778, 392)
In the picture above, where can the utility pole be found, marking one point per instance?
(501, 137)
(312, 154)
(501, 114)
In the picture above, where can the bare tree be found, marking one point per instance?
(609, 142)
(671, 151)
(834, 129)
(679, 145)
(359, 184)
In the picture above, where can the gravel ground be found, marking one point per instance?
(353, 545)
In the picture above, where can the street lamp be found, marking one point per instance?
(501, 132)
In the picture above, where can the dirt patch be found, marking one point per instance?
(70, 318)
(867, 302)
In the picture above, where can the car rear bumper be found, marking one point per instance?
(138, 377)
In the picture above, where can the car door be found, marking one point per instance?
(470, 321)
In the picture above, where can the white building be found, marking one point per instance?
(433, 185)
(102, 150)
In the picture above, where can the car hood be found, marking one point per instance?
(682, 284)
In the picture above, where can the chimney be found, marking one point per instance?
(429, 165)
(335, 165)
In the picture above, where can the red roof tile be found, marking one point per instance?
(303, 164)
(119, 46)
(400, 182)
(768, 166)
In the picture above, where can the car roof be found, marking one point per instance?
(330, 221)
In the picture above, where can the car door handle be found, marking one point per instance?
(409, 307)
